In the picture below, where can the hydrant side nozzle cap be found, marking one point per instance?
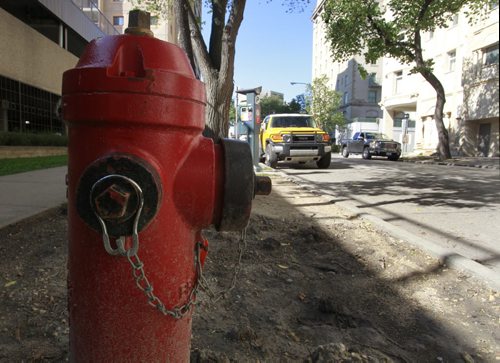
(262, 185)
(139, 23)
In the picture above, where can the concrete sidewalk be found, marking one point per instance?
(26, 194)
(474, 162)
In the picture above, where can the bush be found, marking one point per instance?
(335, 148)
(19, 139)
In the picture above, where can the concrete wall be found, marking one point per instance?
(31, 58)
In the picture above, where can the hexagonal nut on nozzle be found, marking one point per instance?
(262, 185)
(139, 23)
(112, 203)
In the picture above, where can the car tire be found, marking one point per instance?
(393, 157)
(324, 162)
(345, 153)
(366, 154)
(271, 159)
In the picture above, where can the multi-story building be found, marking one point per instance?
(39, 40)
(466, 62)
(360, 97)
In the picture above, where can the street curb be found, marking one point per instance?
(451, 163)
(445, 256)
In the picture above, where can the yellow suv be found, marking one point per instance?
(294, 138)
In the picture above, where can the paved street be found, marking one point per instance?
(457, 208)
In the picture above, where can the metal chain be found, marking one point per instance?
(138, 273)
(205, 286)
(145, 286)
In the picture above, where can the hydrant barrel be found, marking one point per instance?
(142, 184)
(135, 113)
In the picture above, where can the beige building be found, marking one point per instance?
(466, 63)
(39, 40)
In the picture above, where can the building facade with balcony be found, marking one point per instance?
(116, 11)
(39, 40)
(466, 62)
(163, 26)
(360, 97)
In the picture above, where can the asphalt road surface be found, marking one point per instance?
(454, 207)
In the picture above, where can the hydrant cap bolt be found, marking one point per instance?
(112, 203)
(139, 23)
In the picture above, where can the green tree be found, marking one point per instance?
(323, 103)
(361, 27)
(215, 59)
(294, 106)
(272, 104)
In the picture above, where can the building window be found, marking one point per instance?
(490, 55)
(455, 20)
(398, 82)
(345, 98)
(118, 20)
(431, 34)
(29, 109)
(372, 96)
(452, 60)
(372, 79)
(154, 20)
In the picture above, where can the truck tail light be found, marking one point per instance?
(326, 137)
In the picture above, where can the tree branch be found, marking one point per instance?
(230, 33)
(199, 46)
(217, 31)
(388, 42)
(182, 22)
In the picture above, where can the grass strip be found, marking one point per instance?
(20, 165)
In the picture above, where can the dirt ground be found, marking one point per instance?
(314, 284)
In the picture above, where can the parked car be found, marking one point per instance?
(294, 138)
(370, 144)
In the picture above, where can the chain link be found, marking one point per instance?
(145, 286)
(141, 280)
(205, 286)
(137, 265)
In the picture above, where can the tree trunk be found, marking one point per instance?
(217, 63)
(217, 109)
(182, 22)
(443, 148)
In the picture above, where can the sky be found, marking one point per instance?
(273, 47)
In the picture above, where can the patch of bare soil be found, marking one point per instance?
(314, 284)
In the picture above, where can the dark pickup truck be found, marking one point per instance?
(370, 144)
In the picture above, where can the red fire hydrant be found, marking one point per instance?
(142, 184)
